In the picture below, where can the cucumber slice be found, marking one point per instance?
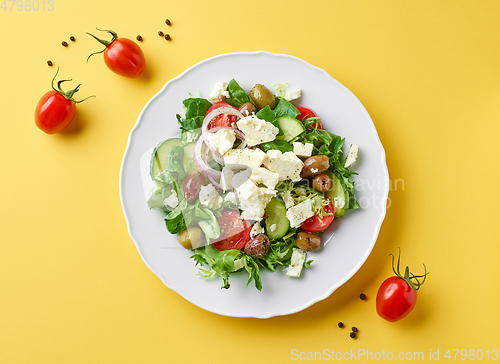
(337, 190)
(189, 157)
(291, 127)
(160, 154)
(277, 223)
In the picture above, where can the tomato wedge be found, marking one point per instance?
(222, 119)
(235, 232)
(306, 113)
(315, 224)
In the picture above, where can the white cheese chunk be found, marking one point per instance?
(287, 165)
(296, 263)
(245, 156)
(219, 92)
(226, 178)
(257, 131)
(255, 206)
(302, 150)
(222, 140)
(264, 176)
(352, 156)
(256, 230)
(293, 95)
(244, 187)
(209, 196)
(171, 200)
(288, 200)
(231, 197)
(299, 213)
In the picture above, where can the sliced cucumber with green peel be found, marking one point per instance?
(189, 157)
(277, 223)
(160, 154)
(291, 127)
(337, 190)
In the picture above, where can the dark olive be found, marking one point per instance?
(322, 183)
(262, 97)
(192, 186)
(247, 109)
(315, 165)
(308, 242)
(258, 246)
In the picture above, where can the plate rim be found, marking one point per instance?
(334, 287)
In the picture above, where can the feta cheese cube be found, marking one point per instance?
(257, 131)
(293, 95)
(231, 197)
(226, 178)
(352, 156)
(209, 196)
(299, 213)
(244, 187)
(171, 200)
(287, 165)
(288, 199)
(222, 140)
(219, 92)
(256, 230)
(255, 206)
(264, 176)
(245, 156)
(296, 263)
(302, 150)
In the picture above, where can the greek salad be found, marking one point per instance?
(252, 181)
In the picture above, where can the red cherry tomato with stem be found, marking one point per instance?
(397, 296)
(56, 109)
(306, 113)
(122, 56)
(234, 232)
(222, 119)
(315, 224)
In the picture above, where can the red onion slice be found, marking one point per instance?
(210, 172)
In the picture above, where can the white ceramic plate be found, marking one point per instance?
(350, 241)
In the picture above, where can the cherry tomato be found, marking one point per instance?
(306, 113)
(222, 119)
(397, 295)
(235, 232)
(56, 109)
(315, 223)
(122, 56)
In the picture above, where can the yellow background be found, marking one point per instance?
(73, 287)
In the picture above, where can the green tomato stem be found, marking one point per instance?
(409, 276)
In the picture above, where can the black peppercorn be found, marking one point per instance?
(139, 38)
(352, 335)
(160, 33)
(64, 43)
(167, 37)
(341, 324)
(354, 329)
(362, 296)
(49, 62)
(167, 22)
(72, 38)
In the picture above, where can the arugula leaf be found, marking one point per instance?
(226, 260)
(252, 268)
(237, 96)
(278, 144)
(285, 108)
(196, 108)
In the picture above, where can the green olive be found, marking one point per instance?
(190, 238)
(262, 97)
(308, 242)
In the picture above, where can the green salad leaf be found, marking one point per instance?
(285, 108)
(196, 108)
(279, 144)
(237, 96)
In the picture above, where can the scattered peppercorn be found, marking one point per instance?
(341, 324)
(72, 38)
(64, 43)
(354, 329)
(160, 33)
(167, 22)
(167, 37)
(352, 335)
(139, 38)
(362, 296)
(49, 62)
